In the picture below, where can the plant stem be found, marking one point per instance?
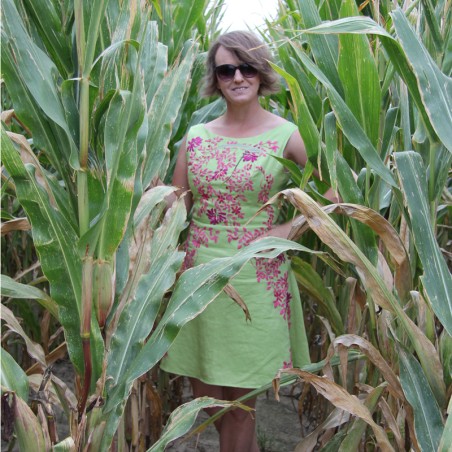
(85, 329)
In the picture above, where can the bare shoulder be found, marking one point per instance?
(295, 149)
(272, 120)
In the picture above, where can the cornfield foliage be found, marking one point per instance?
(96, 97)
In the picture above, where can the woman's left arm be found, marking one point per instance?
(296, 151)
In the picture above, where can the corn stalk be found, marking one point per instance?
(98, 114)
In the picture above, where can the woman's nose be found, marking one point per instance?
(238, 77)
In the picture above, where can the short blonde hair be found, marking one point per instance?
(248, 49)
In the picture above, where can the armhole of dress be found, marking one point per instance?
(286, 137)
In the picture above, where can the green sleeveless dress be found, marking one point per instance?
(230, 179)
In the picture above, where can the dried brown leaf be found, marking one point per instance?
(392, 423)
(340, 398)
(232, 293)
(335, 419)
(7, 116)
(18, 224)
(34, 349)
(352, 340)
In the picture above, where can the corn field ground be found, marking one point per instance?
(96, 97)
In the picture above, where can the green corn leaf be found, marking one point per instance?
(186, 15)
(38, 73)
(121, 126)
(349, 124)
(45, 135)
(427, 415)
(437, 280)
(350, 192)
(359, 77)
(96, 13)
(324, 48)
(433, 24)
(312, 283)
(51, 31)
(434, 86)
(166, 237)
(296, 174)
(12, 376)
(429, 87)
(208, 112)
(445, 348)
(183, 418)
(154, 62)
(162, 114)
(138, 316)
(148, 202)
(331, 148)
(389, 131)
(55, 241)
(13, 289)
(446, 440)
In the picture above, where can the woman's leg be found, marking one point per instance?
(238, 428)
(201, 389)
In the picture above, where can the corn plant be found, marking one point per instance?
(372, 95)
(98, 103)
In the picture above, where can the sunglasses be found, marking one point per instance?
(226, 72)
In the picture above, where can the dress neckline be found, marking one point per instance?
(248, 137)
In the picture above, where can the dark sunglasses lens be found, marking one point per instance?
(247, 70)
(225, 71)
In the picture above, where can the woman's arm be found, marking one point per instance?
(296, 151)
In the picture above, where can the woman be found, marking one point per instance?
(228, 167)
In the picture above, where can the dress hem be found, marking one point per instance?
(229, 385)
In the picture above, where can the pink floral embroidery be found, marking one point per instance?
(269, 270)
(194, 143)
(216, 217)
(224, 176)
(287, 364)
(249, 156)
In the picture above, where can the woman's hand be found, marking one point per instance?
(281, 231)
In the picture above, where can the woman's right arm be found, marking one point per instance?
(180, 176)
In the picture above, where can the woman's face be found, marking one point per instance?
(240, 89)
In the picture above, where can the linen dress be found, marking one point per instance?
(230, 178)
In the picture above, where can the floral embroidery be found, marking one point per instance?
(224, 176)
(269, 270)
(287, 364)
(249, 156)
(216, 217)
(194, 143)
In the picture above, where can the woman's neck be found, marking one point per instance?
(246, 115)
